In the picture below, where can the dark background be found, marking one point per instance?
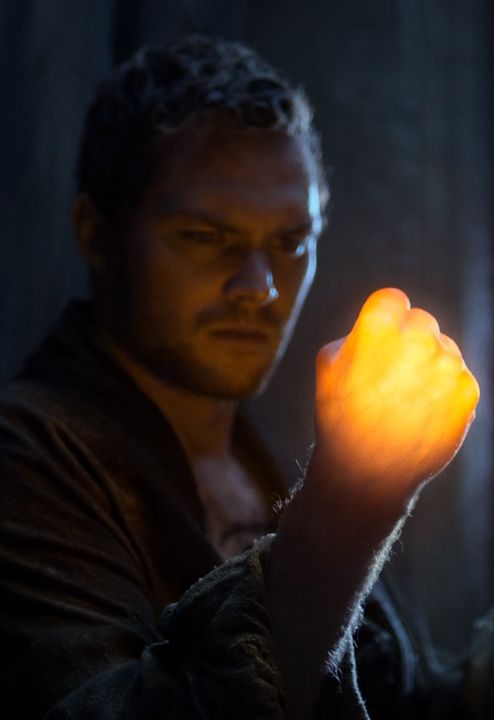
(403, 97)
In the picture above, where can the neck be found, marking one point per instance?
(203, 424)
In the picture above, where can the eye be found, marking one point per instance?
(203, 237)
(292, 245)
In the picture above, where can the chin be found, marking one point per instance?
(233, 389)
(224, 386)
(222, 380)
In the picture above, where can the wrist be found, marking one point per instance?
(356, 490)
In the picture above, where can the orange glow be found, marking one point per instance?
(394, 398)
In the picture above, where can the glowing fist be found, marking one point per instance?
(394, 399)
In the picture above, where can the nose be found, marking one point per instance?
(252, 282)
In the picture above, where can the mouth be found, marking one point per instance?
(251, 335)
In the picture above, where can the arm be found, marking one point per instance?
(393, 404)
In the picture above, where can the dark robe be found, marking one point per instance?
(113, 601)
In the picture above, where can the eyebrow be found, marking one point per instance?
(204, 218)
(305, 227)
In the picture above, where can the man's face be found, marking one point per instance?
(211, 271)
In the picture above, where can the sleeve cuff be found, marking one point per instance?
(221, 629)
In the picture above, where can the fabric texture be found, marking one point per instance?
(113, 602)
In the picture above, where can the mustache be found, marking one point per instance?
(264, 317)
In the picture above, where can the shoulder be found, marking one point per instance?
(43, 457)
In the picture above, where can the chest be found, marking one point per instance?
(236, 510)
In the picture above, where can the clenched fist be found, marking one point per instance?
(394, 399)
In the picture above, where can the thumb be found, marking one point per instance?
(326, 357)
(328, 352)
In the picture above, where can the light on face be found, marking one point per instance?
(315, 208)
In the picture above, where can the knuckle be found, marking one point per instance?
(449, 344)
(449, 362)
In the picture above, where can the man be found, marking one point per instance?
(128, 475)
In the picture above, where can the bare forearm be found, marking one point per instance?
(329, 550)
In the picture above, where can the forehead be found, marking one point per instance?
(236, 171)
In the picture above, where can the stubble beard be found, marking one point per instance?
(181, 366)
(199, 364)
(184, 362)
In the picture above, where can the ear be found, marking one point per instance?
(91, 232)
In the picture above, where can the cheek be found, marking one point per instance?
(309, 274)
(295, 282)
(171, 294)
(155, 273)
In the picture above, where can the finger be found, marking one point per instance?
(334, 346)
(461, 413)
(328, 352)
(468, 392)
(390, 297)
(418, 319)
(325, 365)
(385, 305)
(449, 344)
(450, 362)
(451, 353)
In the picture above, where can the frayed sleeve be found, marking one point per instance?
(230, 665)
